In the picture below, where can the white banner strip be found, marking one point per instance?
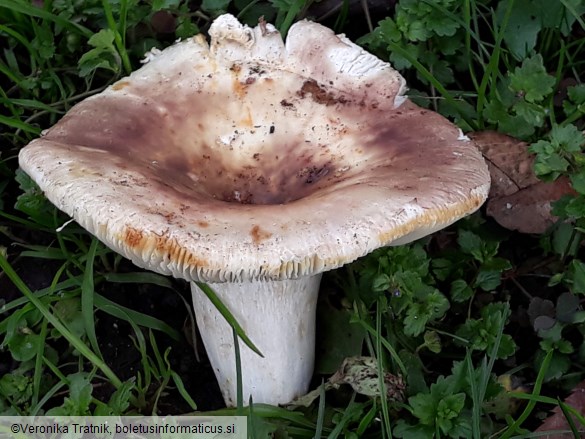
(108, 427)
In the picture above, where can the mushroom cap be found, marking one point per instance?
(250, 159)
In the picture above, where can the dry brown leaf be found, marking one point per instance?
(508, 159)
(518, 200)
(528, 210)
(557, 420)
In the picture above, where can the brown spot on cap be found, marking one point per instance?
(202, 223)
(120, 85)
(133, 237)
(161, 245)
(259, 235)
(247, 120)
(239, 88)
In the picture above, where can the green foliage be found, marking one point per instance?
(79, 399)
(434, 316)
(16, 389)
(103, 54)
(408, 282)
(531, 81)
(32, 202)
(403, 274)
(445, 410)
(520, 106)
(483, 333)
(550, 322)
(119, 402)
(529, 19)
(417, 28)
(29, 341)
(560, 155)
(562, 149)
(339, 336)
(511, 87)
(574, 105)
(22, 341)
(215, 5)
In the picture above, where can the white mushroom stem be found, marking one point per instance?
(279, 318)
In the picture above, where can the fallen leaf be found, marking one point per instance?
(557, 421)
(518, 200)
(361, 373)
(529, 210)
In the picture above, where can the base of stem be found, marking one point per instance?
(279, 318)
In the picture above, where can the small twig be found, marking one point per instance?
(366, 9)
(521, 288)
(85, 94)
(192, 324)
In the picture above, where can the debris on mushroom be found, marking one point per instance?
(255, 165)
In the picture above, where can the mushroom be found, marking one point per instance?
(255, 166)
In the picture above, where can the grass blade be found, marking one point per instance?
(139, 278)
(320, 411)
(27, 8)
(569, 418)
(129, 315)
(388, 347)
(294, 9)
(87, 298)
(15, 123)
(387, 429)
(228, 316)
(532, 403)
(345, 418)
(73, 339)
(118, 40)
(239, 390)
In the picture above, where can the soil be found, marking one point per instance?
(166, 305)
